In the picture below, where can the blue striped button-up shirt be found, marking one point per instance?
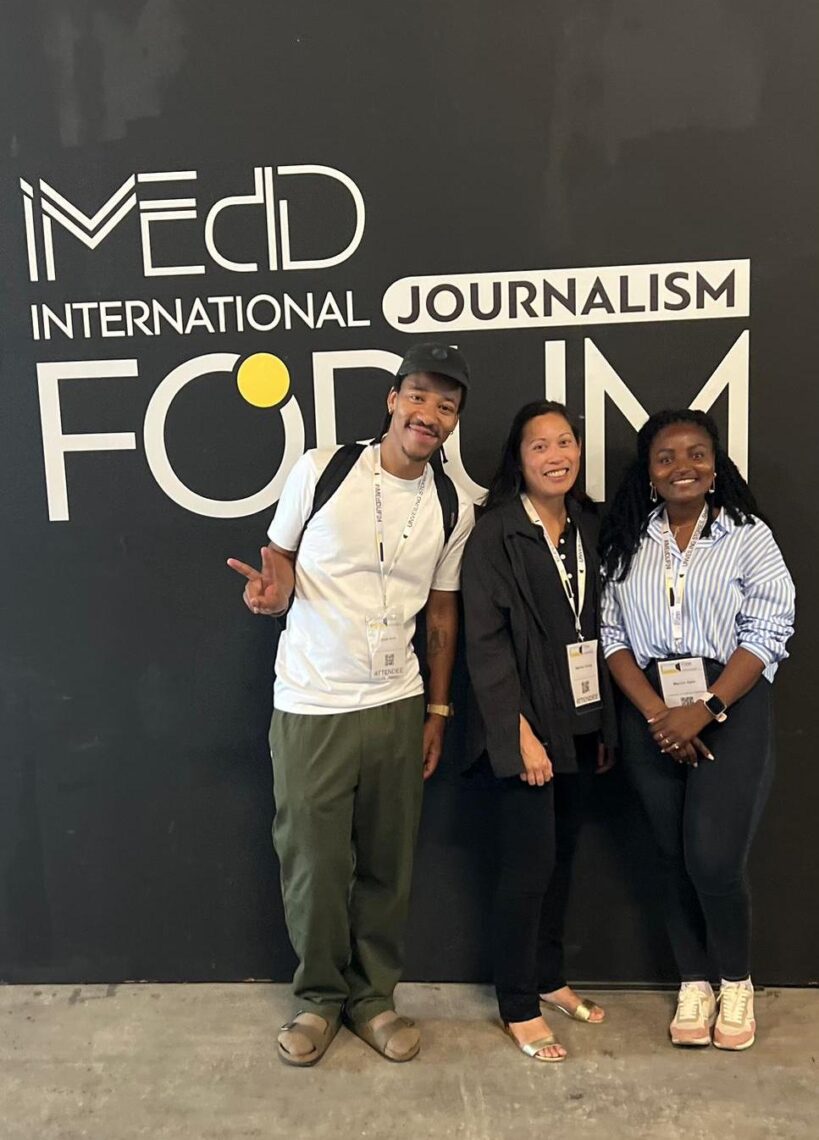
(738, 593)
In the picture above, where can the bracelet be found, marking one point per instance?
(442, 710)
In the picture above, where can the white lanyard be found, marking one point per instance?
(675, 587)
(565, 580)
(379, 523)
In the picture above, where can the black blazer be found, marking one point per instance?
(513, 664)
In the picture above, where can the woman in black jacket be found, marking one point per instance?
(532, 603)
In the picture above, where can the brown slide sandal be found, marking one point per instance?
(397, 1039)
(304, 1040)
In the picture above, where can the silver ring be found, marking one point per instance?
(675, 746)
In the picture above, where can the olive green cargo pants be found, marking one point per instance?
(348, 790)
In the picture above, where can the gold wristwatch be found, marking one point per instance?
(442, 710)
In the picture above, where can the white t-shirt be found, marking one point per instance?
(323, 661)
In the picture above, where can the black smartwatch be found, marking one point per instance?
(716, 706)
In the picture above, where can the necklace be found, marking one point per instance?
(682, 528)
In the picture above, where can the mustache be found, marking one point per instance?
(427, 427)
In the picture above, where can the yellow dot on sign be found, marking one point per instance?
(263, 380)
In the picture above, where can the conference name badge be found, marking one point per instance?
(388, 646)
(585, 680)
(682, 681)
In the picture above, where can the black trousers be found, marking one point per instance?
(537, 831)
(704, 820)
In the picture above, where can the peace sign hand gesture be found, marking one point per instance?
(264, 593)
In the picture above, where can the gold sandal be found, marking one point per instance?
(582, 1012)
(532, 1048)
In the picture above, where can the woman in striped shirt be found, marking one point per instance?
(697, 610)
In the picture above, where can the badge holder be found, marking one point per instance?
(388, 648)
(583, 673)
(682, 681)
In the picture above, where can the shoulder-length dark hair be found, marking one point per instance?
(627, 520)
(507, 482)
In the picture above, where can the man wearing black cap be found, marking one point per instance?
(349, 738)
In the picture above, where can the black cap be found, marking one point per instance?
(433, 357)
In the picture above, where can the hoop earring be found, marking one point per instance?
(652, 494)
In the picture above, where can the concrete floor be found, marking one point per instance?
(198, 1062)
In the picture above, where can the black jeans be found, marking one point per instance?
(704, 820)
(537, 831)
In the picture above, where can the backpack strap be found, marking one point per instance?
(341, 464)
(447, 496)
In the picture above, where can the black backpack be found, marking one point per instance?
(342, 463)
(345, 459)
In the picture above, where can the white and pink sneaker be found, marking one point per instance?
(736, 1027)
(695, 1016)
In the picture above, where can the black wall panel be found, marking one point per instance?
(501, 139)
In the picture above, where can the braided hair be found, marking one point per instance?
(627, 520)
(507, 482)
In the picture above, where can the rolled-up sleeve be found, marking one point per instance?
(613, 635)
(766, 617)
